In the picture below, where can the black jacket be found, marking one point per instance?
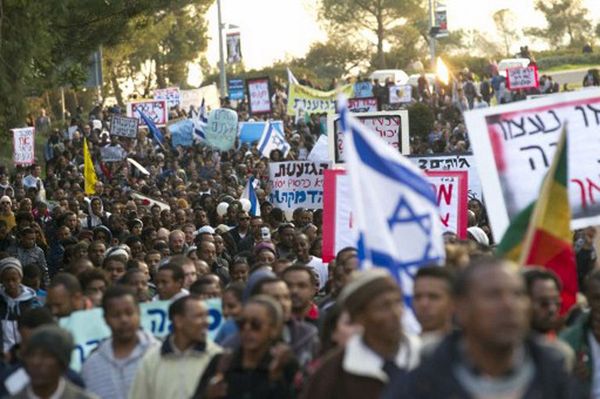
(435, 379)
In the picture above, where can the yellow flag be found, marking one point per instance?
(89, 174)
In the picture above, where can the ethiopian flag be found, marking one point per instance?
(89, 173)
(541, 235)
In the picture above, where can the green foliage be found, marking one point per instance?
(421, 119)
(573, 59)
(505, 21)
(566, 19)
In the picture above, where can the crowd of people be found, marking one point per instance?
(294, 325)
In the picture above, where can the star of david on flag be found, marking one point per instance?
(394, 206)
(200, 122)
(272, 139)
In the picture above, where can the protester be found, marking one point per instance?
(169, 283)
(111, 368)
(173, 369)
(303, 284)
(65, 296)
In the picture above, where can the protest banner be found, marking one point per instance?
(451, 194)
(24, 146)
(221, 129)
(259, 95)
(89, 328)
(464, 162)
(193, 98)
(366, 104)
(400, 94)
(171, 95)
(234, 47)
(312, 101)
(124, 126)
(182, 132)
(297, 184)
(392, 126)
(522, 78)
(514, 146)
(338, 226)
(363, 89)
(112, 153)
(156, 110)
(250, 132)
(235, 88)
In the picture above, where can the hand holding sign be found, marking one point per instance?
(222, 128)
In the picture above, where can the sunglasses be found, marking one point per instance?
(255, 324)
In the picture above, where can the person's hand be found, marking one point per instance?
(217, 387)
(281, 355)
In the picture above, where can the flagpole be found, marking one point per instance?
(223, 77)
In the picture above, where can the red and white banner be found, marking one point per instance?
(23, 146)
(522, 78)
(259, 97)
(365, 104)
(338, 227)
(156, 110)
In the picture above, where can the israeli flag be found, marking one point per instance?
(273, 139)
(200, 123)
(395, 209)
(250, 194)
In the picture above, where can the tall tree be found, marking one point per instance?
(565, 19)
(505, 22)
(377, 17)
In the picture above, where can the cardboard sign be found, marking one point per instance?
(170, 94)
(221, 130)
(338, 221)
(453, 162)
(392, 127)
(156, 110)
(451, 194)
(89, 328)
(306, 100)
(363, 89)
(522, 78)
(514, 146)
(367, 104)
(400, 94)
(124, 126)
(112, 153)
(297, 184)
(23, 146)
(259, 95)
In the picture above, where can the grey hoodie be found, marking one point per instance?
(11, 310)
(109, 377)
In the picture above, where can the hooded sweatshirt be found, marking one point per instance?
(92, 220)
(109, 377)
(11, 310)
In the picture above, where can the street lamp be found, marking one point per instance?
(223, 76)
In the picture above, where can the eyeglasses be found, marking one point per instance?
(255, 324)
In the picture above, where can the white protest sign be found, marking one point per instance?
(171, 95)
(297, 184)
(23, 146)
(363, 104)
(194, 97)
(89, 329)
(453, 162)
(112, 153)
(221, 130)
(451, 194)
(156, 110)
(391, 126)
(259, 97)
(522, 78)
(400, 94)
(514, 146)
(124, 126)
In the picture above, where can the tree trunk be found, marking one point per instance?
(380, 36)
(115, 88)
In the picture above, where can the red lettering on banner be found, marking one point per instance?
(445, 220)
(446, 193)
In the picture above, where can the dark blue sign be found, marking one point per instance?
(236, 89)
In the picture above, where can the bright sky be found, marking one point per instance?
(274, 29)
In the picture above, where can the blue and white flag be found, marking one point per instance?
(154, 132)
(250, 194)
(273, 139)
(200, 122)
(394, 206)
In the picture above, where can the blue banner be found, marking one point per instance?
(236, 89)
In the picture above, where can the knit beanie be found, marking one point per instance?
(11, 263)
(54, 340)
(364, 288)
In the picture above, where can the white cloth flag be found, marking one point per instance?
(395, 208)
(272, 139)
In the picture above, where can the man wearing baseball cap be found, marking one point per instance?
(381, 353)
